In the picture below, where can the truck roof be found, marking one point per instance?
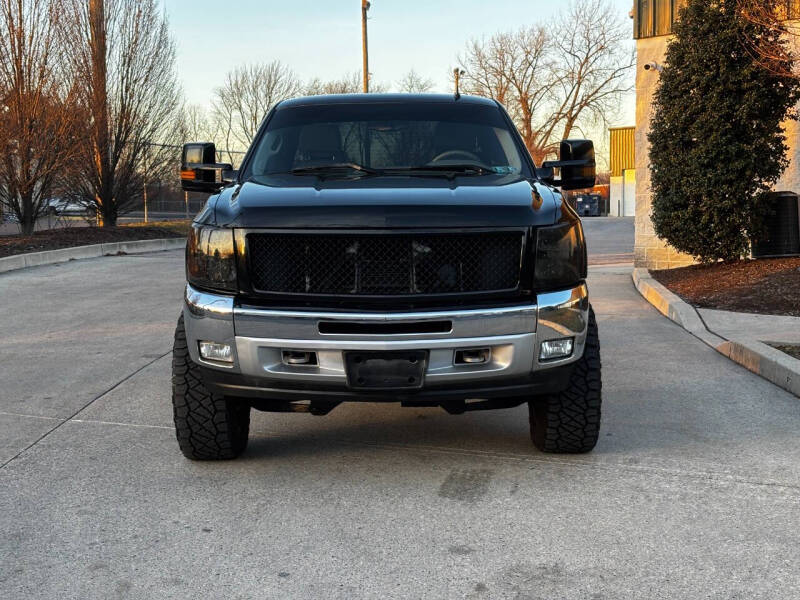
(385, 98)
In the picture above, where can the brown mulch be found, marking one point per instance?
(766, 285)
(792, 350)
(53, 239)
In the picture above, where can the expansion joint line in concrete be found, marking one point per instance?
(82, 408)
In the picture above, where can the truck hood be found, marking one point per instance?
(290, 201)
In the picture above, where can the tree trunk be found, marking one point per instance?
(109, 215)
(27, 226)
(27, 218)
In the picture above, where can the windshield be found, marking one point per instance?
(386, 137)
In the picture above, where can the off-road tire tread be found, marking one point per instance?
(208, 426)
(569, 422)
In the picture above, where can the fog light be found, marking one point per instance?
(552, 349)
(215, 351)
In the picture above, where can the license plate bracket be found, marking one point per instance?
(382, 371)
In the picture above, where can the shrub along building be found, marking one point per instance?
(653, 22)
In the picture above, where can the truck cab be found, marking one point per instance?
(386, 248)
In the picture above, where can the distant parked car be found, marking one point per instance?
(61, 206)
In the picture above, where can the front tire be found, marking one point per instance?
(208, 426)
(569, 422)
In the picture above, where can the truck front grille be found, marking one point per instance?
(343, 264)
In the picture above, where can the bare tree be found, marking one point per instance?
(247, 96)
(124, 63)
(223, 124)
(552, 82)
(196, 125)
(38, 115)
(593, 74)
(350, 83)
(250, 92)
(778, 50)
(414, 83)
(516, 70)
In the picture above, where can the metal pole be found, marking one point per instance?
(144, 195)
(364, 45)
(457, 73)
(186, 203)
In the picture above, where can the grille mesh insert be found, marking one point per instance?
(384, 265)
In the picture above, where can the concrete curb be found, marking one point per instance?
(51, 257)
(766, 361)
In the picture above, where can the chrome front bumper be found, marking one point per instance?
(513, 334)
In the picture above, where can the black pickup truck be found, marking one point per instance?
(386, 248)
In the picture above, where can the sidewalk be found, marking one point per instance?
(765, 328)
(61, 255)
(742, 337)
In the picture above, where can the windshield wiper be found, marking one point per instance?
(321, 169)
(460, 168)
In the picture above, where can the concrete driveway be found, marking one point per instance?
(692, 491)
(610, 239)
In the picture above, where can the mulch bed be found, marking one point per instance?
(53, 239)
(790, 349)
(766, 285)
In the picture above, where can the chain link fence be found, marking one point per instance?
(162, 205)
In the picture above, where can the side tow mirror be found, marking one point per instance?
(577, 164)
(200, 171)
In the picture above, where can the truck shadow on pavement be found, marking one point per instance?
(388, 426)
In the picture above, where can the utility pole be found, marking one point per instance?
(98, 54)
(364, 45)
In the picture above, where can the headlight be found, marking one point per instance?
(210, 258)
(560, 256)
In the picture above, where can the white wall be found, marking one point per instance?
(622, 199)
(616, 191)
(629, 193)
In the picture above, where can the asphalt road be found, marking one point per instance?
(691, 493)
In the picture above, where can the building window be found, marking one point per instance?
(663, 15)
(643, 19)
(656, 17)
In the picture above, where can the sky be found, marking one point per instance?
(323, 38)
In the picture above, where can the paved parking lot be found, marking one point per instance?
(691, 492)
